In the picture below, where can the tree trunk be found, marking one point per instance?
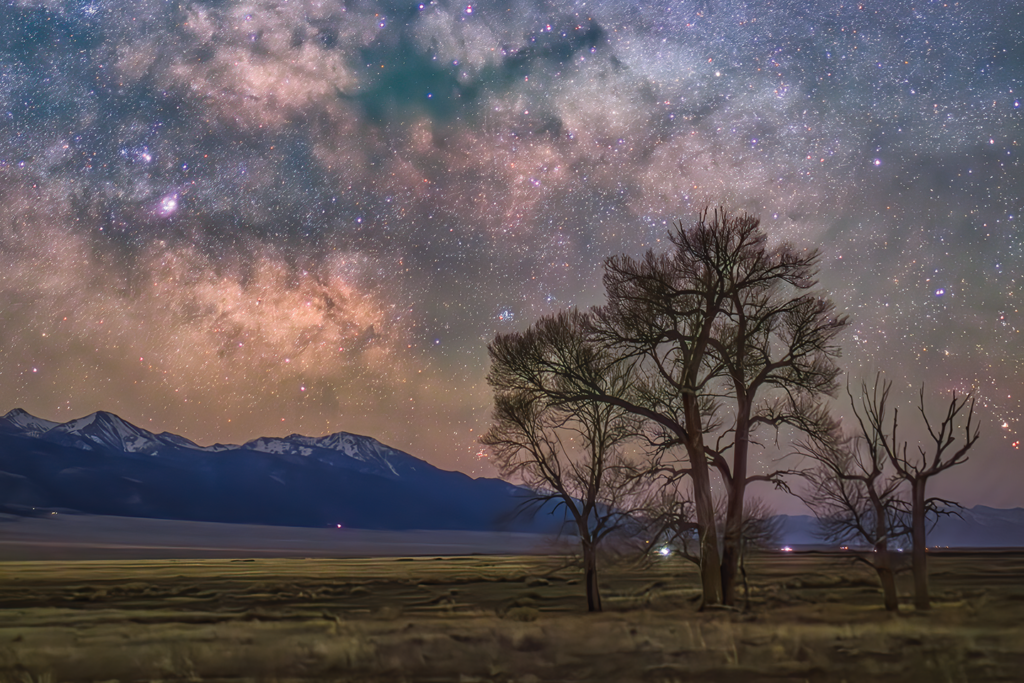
(710, 562)
(882, 560)
(590, 570)
(918, 536)
(732, 543)
(746, 585)
(883, 566)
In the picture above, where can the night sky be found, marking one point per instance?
(229, 219)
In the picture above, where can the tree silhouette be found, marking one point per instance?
(719, 316)
(568, 452)
(917, 470)
(722, 320)
(853, 489)
(775, 344)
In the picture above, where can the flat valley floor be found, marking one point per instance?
(811, 617)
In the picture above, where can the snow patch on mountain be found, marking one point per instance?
(359, 448)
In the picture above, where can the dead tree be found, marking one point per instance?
(938, 457)
(854, 491)
(567, 452)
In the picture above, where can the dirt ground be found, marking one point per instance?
(812, 617)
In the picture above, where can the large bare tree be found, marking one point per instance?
(671, 330)
(724, 336)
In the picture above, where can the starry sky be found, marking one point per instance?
(234, 218)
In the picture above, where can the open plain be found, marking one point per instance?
(811, 617)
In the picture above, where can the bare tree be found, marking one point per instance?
(853, 489)
(661, 318)
(568, 452)
(653, 337)
(724, 319)
(721, 315)
(917, 470)
(775, 344)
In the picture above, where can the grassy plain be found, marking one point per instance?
(812, 617)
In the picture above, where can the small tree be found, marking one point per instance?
(566, 452)
(916, 471)
(853, 489)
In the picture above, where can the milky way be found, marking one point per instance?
(237, 218)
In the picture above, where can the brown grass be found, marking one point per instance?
(487, 618)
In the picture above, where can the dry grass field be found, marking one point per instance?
(812, 617)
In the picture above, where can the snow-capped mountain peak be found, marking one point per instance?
(106, 431)
(28, 424)
(372, 454)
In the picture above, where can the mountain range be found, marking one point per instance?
(102, 464)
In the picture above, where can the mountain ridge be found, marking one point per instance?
(103, 464)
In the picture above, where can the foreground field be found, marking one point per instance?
(812, 617)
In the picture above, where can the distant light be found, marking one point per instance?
(664, 552)
(786, 549)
